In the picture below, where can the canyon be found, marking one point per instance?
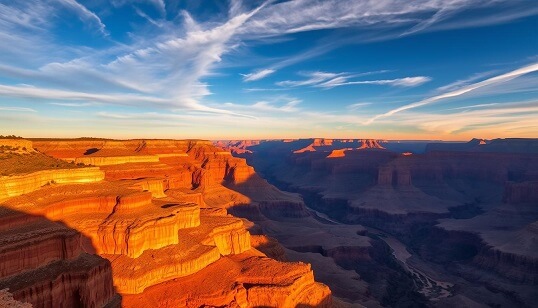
(130, 223)
(444, 224)
(268, 223)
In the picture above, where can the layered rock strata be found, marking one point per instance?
(136, 226)
(11, 186)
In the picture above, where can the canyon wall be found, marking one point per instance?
(151, 216)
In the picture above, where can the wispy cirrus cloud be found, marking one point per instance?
(307, 15)
(74, 104)
(357, 106)
(140, 74)
(257, 75)
(290, 106)
(461, 91)
(332, 80)
(85, 14)
(463, 82)
(314, 78)
(398, 82)
(504, 116)
(17, 109)
(276, 104)
(374, 20)
(168, 67)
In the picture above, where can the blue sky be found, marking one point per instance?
(430, 69)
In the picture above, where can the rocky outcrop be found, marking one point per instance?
(289, 285)
(237, 146)
(320, 142)
(11, 186)
(244, 281)
(370, 144)
(339, 153)
(237, 171)
(309, 148)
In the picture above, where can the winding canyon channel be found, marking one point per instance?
(430, 287)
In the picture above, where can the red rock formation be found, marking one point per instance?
(370, 144)
(149, 224)
(237, 146)
(309, 148)
(319, 142)
(339, 153)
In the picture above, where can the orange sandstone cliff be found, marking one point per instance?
(147, 228)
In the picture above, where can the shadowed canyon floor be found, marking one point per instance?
(146, 225)
(441, 224)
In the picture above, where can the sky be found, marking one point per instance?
(232, 69)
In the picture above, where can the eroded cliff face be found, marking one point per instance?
(44, 264)
(141, 228)
(524, 192)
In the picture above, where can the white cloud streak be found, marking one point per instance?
(308, 15)
(398, 82)
(332, 80)
(85, 14)
(257, 75)
(17, 109)
(469, 88)
(463, 82)
(314, 78)
(357, 106)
